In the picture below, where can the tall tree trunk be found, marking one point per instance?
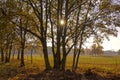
(2, 55)
(13, 53)
(18, 55)
(64, 62)
(74, 58)
(57, 55)
(6, 57)
(45, 53)
(31, 52)
(10, 49)
(22, 56)
(64, 36)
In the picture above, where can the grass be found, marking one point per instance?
(9, 70)
(102, 64)
(99, 63)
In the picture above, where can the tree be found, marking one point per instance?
(118, 52)
(40, 26)
(21, 23)
(96, 49)
(6, 29)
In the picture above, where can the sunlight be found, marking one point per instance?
(62, 22)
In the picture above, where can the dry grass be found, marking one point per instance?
(101, 64)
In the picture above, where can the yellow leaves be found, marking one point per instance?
(23, 13)
(101, 25)
(115, 7)
(105, 4)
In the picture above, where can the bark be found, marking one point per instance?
(64, 62)
(74, 59)
(22, 56)
(22, 51)
(64, 36)
(52, 33)
(18, 55)
(31, 55)
(2, 55)
(13, 53)
(57, 55)
(80, 46)
(10, 49)
(6, 57)
(45, 53)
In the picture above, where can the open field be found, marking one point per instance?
(106, 63)
(101, 64)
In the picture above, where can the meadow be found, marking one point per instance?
(101, 64)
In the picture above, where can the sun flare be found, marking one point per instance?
(62, 22)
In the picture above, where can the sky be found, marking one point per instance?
(113, 44)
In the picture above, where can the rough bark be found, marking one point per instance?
(18, 55)
(22, 57)
(2, 55)
(45, 53)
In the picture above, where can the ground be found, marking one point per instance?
(90, 68)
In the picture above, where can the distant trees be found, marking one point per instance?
(96, 49)
(119, 52)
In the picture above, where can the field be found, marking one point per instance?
(103, 65)
(100, 63)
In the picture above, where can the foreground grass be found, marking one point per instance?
(9, 70)
(101, 64)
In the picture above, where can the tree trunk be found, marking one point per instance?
(64, 62)
(55, 61)
(6, 57)
(74, 59)
(22, 57)
(31, 55)
(57, 55)
(18, 56)
(64, 53)
(13, 54)
(45, 53)
(10, 49)
(22, 54)
(2, 55)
